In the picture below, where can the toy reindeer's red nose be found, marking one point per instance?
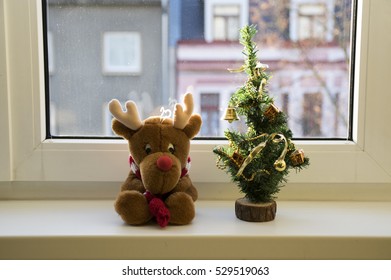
(164, 163)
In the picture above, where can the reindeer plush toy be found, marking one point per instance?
(158, 185)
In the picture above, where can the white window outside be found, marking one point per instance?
(121, 53)
(226, 22)
(223, 17)
(312, 21)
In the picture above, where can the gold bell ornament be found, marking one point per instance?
(230, 115)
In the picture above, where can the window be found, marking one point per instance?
(223, 19)
(121, 53)
(354, 169)
(312, 21)
(318, 20)
(142, 54)
(226, 22)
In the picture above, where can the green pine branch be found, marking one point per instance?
(260, 180)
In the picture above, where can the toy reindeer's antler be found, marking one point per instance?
(182, 115)
(130, 118)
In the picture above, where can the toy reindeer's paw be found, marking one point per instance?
(181, 207)
(133, 208)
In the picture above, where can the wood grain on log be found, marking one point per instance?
(255, 212)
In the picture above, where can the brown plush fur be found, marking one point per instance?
(179, 193)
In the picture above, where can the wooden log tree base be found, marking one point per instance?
(255, 212)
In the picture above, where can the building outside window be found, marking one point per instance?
(123, 56)
(298, 66)
(102, 50)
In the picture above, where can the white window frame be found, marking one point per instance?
(133, 68)
(339, 169)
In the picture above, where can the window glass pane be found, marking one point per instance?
(219, 28)
(210, 114)
(233, 26)
(151, 51)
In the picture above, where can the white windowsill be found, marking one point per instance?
(90, 229)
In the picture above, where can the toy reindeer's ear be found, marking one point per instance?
(122, 130)
(184, 118)
(193, 126)
(125, 123)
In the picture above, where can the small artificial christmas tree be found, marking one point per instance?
(258, 160)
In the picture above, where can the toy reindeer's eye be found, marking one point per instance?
(148, 149)
(171, 148)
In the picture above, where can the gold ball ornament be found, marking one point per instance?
(279, 165)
